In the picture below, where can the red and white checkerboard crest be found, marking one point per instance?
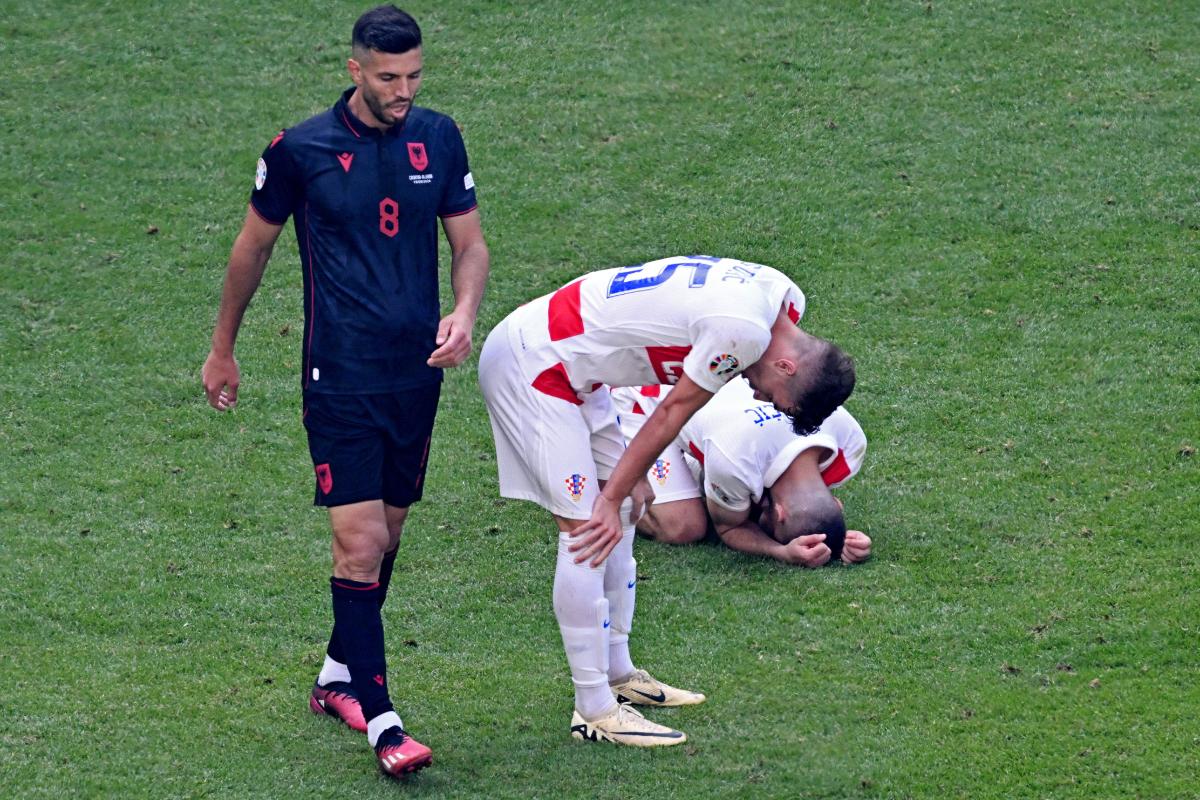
(575, 485)
(660, 471)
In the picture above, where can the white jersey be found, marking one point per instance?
(704, 317)
(742, 445)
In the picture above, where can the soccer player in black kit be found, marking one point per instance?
(365, 183)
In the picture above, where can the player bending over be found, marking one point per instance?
(692, 321)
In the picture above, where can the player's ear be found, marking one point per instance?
(784, 530)
(355, 70)
(781, 515)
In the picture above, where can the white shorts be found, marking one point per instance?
(673, 476)
(548, 450)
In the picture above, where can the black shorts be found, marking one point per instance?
(370, 446)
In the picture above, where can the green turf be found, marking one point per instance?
(993, 206)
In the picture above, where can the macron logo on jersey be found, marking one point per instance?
(344, 159)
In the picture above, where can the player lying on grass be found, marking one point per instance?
(765, 488)
(692, 321)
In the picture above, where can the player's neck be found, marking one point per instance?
(362, 112)
(786, 338)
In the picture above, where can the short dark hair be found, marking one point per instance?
(828, 389)
(816, 512)
(386, 29)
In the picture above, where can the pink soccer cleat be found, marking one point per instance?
(337, 699)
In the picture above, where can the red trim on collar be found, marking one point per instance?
(346, 121)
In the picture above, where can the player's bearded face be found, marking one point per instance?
(388, 82)
(773, 387)
(786, 397)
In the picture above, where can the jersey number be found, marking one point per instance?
(667, 362)
(629, 280)
(389, 217)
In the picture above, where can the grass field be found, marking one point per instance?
(994, 206)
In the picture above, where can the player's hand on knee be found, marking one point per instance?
(857, 547)
(220, 378)
(596, 538)
(807, 551)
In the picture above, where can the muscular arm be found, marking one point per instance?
(469, 266)
(597, 537)
(684, 400)
(247, 262)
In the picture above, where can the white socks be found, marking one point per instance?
(582, 614)
(333, 671)
(594, 608)
(378, 725)
(620, 580)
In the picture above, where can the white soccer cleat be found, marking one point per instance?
(625, 725)
(642, 689)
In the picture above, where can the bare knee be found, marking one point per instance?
(360, 538)
(677, 522)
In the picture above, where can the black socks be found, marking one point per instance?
(358, 631)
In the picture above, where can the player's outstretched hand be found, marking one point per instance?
(453, 341)
(857, 547)
(596, 538)
(807, 551)
(220, 377)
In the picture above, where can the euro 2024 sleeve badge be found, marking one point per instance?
(723, 365)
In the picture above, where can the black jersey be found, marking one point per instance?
(365, 205)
